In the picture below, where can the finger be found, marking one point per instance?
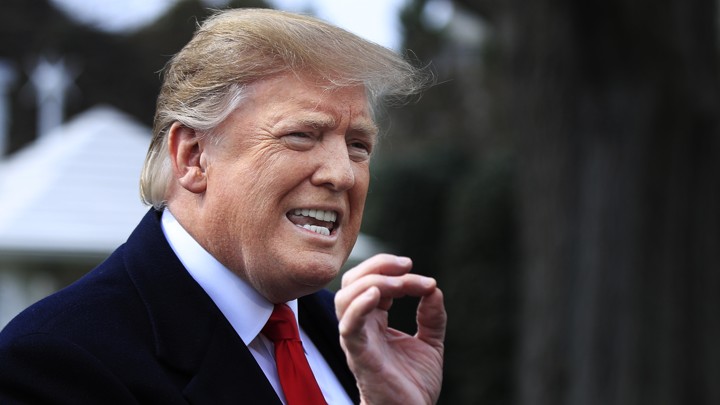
(385, 303)
(351, 324)
(389, 287)
(386, 264)
(392, 286)
(432, 318)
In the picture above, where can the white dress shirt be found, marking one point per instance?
(246, 310)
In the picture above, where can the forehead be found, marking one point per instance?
(316, 101)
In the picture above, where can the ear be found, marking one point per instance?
(186, 157)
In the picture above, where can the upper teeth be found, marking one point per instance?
(327, 216)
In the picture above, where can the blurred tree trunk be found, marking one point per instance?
(615, 106)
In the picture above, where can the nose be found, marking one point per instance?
(335, 168)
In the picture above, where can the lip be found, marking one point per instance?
(315, 239)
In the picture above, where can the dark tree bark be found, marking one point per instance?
(615, 106)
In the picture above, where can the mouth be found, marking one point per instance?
(314, 220)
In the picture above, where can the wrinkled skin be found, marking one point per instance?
(391, 367)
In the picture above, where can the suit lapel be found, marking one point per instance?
(194, 338)
(229, 375)
(191, 334)
(318, 320)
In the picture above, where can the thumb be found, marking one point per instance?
(432, 318)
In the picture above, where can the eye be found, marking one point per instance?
(299, 140)
(299, 134)
(359, 151)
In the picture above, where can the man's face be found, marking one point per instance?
(286, 185)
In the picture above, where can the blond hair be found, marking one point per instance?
(205, 81)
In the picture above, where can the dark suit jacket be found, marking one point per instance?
(139, 329)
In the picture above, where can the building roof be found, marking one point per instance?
(75, 190)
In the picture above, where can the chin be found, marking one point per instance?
(318, 273)
(321, 276)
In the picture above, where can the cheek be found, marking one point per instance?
(253, 184)
(358, 195)
(362, 183)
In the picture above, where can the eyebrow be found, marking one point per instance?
(318, 122)
(365, 127)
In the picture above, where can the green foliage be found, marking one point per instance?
(444, 193)
(479, 278)
(406, 195)
(453, 213)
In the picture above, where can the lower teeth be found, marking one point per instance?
(317, 229)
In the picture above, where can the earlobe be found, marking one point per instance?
(186, 156)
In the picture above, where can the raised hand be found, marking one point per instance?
(391, 367)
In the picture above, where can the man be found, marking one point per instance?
(257, 173)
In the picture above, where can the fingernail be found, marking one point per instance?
(404, 261)
(429, 282)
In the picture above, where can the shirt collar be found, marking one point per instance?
(245, 309)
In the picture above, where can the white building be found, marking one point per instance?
(66, 202)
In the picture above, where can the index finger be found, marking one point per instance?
(385, 264)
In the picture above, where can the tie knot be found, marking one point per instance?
(281, 325)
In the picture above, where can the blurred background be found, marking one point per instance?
(562, 180)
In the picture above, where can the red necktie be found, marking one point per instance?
(296, 377)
